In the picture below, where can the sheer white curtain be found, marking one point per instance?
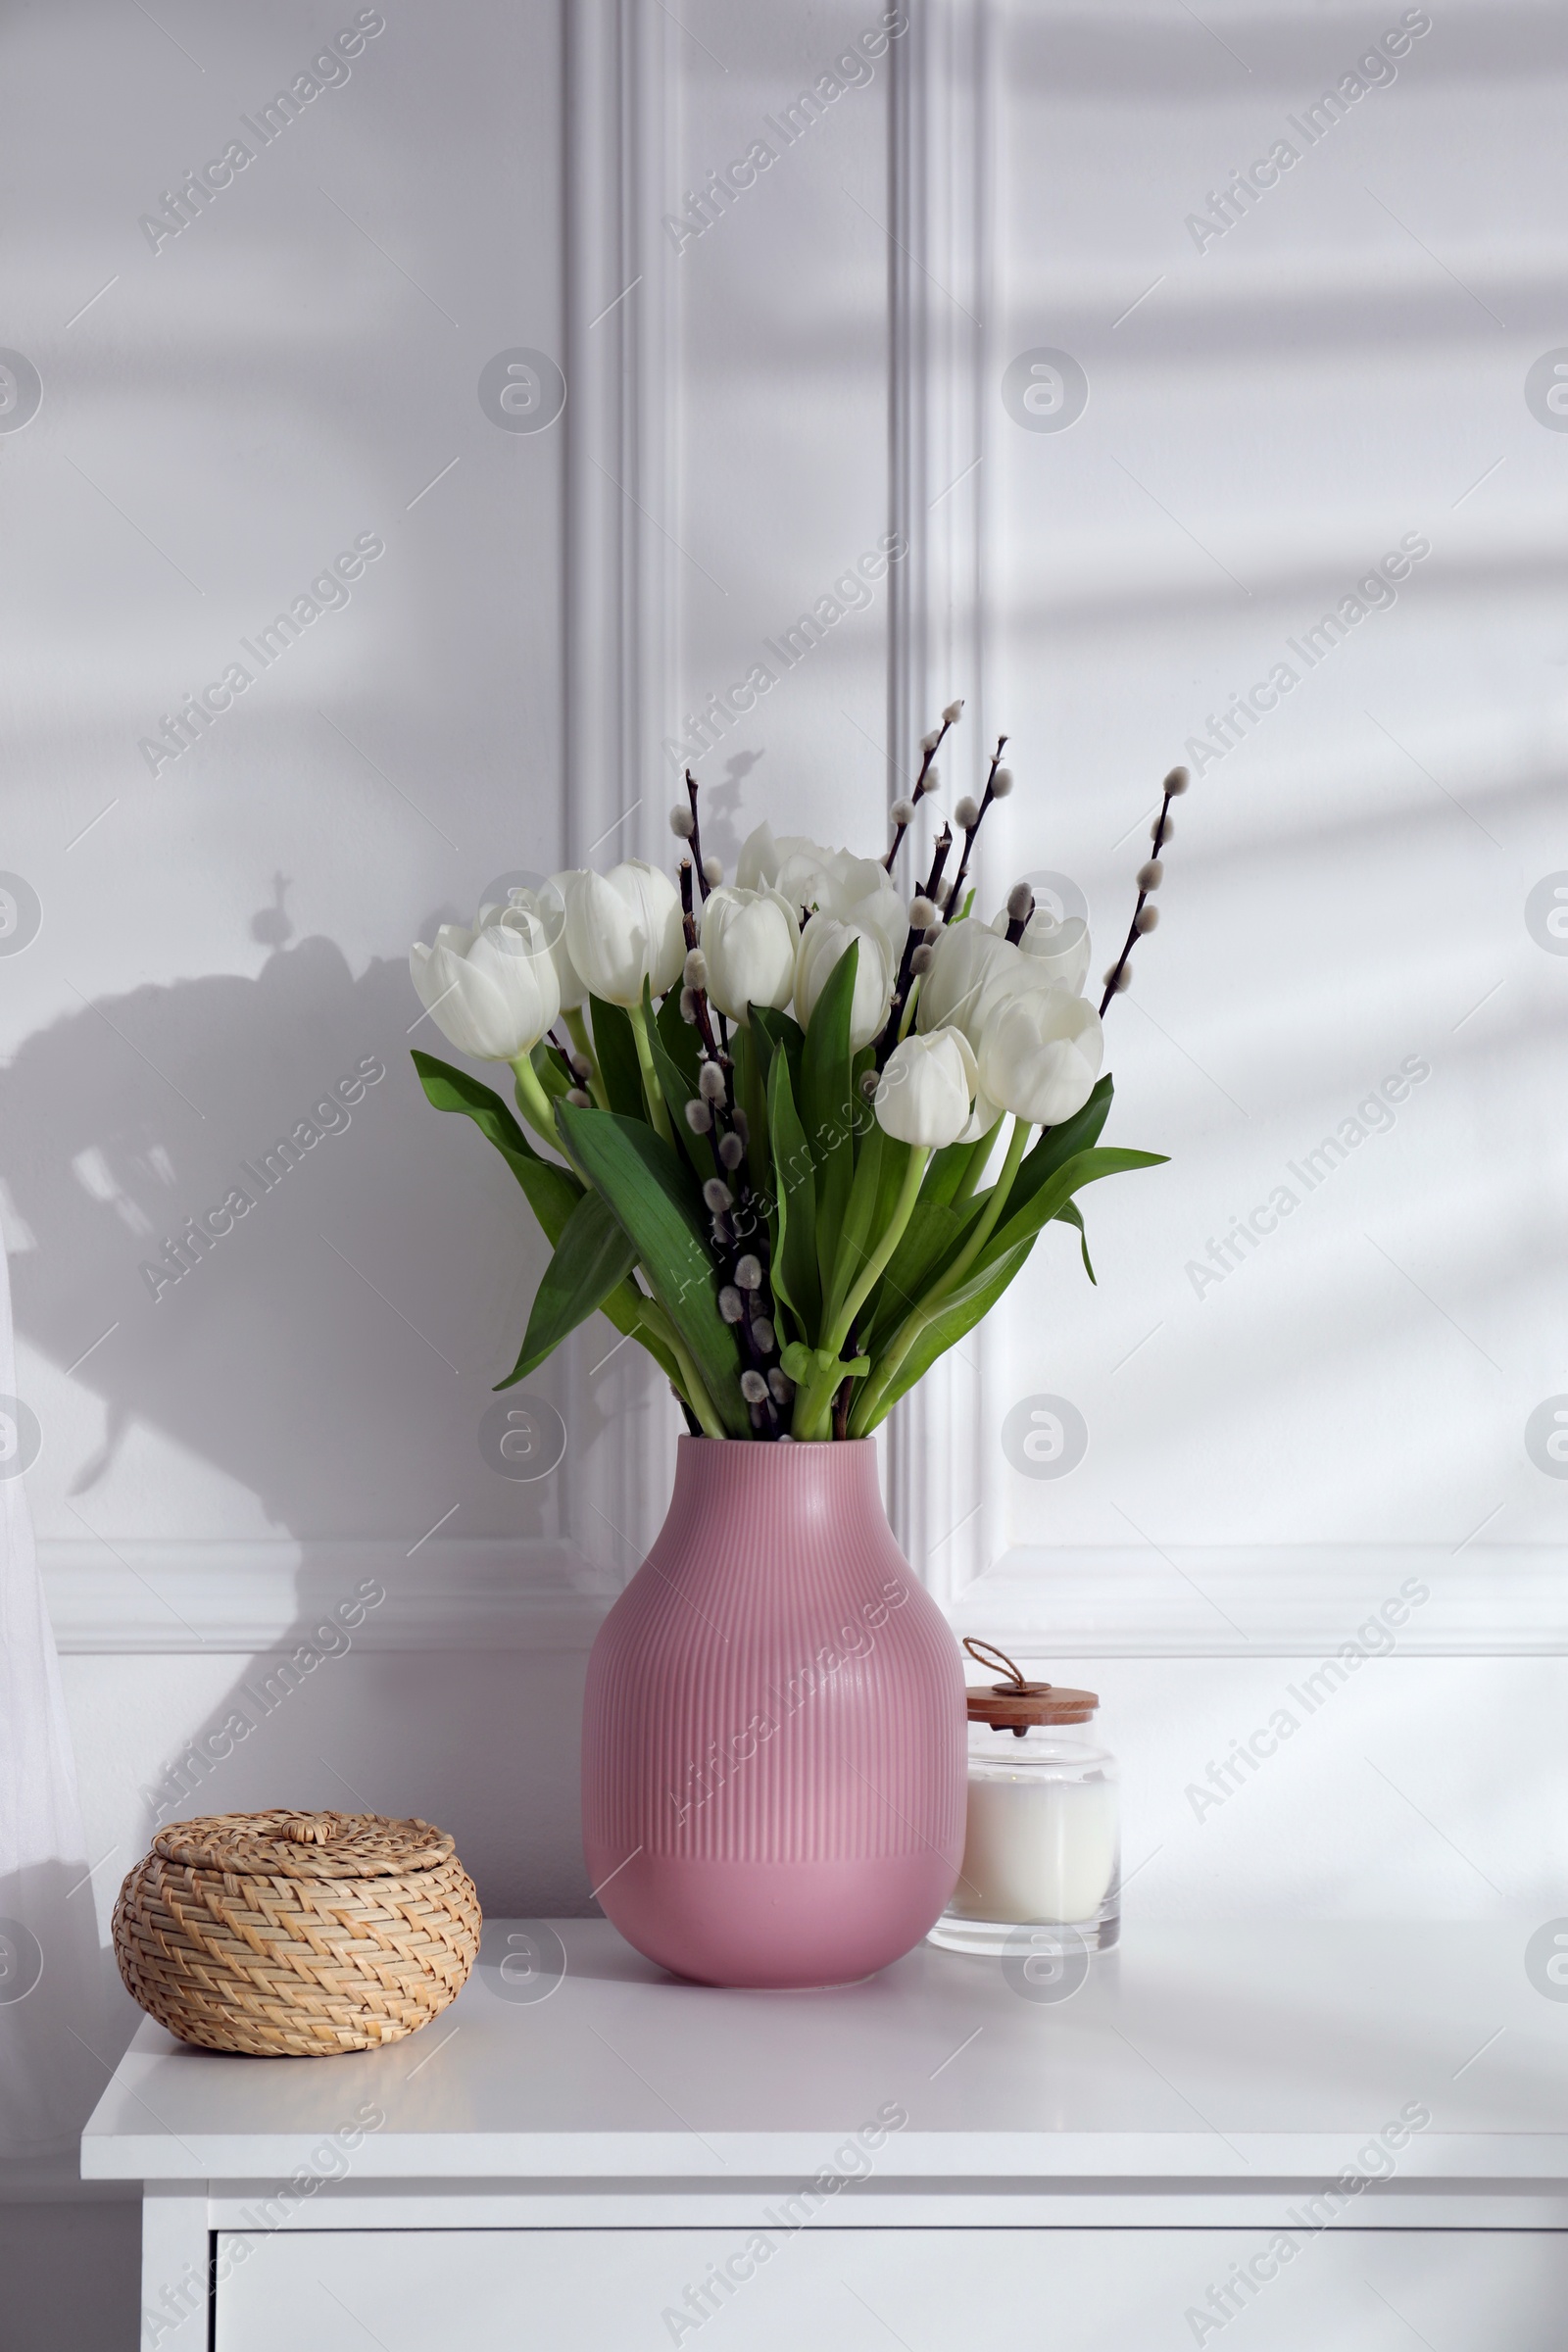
(51, 1968)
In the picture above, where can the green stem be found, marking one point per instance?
(535, 1105)
(697, 1396)
(876, 1265)
(968, 1183)
(653, 1092)
(915, 1322)
(815, 1408)
(584, 1044)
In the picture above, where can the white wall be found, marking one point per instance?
(1348, 886)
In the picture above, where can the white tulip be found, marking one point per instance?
(1056, 950)
(968, 963)
(926, 1093)
(750, 939)
(492, 991)
(823, 944)
(623, 928)
(861, 890)
(1039, 1053)
(548, 906)
(790, 865)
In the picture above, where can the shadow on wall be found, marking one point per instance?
(332, 1350)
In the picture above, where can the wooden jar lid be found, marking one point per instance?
(1017, 1704)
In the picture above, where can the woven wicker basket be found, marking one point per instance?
(296, 1934)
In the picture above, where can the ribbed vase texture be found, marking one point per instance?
(774, 1730)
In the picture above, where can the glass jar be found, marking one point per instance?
(1043, 1845)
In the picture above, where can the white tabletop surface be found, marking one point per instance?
(1225, 2053)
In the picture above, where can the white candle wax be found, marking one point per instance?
(1036, 1850)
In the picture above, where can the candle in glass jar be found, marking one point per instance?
(1036, 1850)
(1043, 1840)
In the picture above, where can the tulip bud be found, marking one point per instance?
(1002, 784)
(710, 1082)
(902, 813)
(492, 991)
(1152, 874)
(1147, 918)
(623, 928)
(717, 1196)
(1040, 1055)
(750, 940)
(952, 712)
(1177, 781)
(683, 823)
(731, 1150)
(927, 1091)
(731, 1305)
(753, 1388)
(967, 813)
(749, 1273)
(1020, 902)
(698, 1118)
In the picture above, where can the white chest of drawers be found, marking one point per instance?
(1306, 2136)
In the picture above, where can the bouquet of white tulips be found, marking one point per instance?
(771, 1107)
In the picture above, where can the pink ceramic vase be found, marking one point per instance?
(775, 1728)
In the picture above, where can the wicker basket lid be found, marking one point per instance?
(304, 1845)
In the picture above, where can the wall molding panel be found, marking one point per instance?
(940, 1489)
(620, 588)
(241, 1598)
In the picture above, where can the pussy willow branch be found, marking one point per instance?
(1133, 932)
(702, 883)
(731, 1246)
(919, 788)
(901, 987)
(955, 905)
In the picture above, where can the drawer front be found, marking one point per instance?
(868, 2290)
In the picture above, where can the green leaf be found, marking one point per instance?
(957, 1314)
(680, 1038)
(553, 1192)
(933, 1236)
(795, 1276)
(856, 1233)
(549, 1068)
(781, 1029)
(947, 1169)
(616, 1049)
(750, 1055)
(1072, 1215)
(1049, 1199)
(592, 1257)
(1056, 1145)
(647, 1188)
(678, 1093)
(827, 1104)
